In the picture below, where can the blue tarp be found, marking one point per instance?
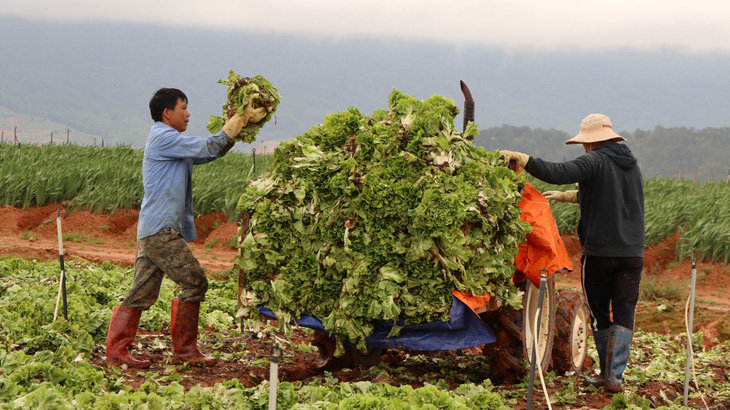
(464, 329)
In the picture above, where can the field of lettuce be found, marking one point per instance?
(46, 364)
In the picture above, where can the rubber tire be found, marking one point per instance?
(509, 355)
(366, 360)
(352, 358)
(571, 332)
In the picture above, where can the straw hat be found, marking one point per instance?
(595, 128)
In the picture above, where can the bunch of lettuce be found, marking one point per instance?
(241, 91)
(379, 218)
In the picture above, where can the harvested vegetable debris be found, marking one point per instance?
(379, 218)
(241, 91)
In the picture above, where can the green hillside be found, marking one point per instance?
(663, 152)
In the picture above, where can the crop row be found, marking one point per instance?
(106, 179)
(59, 364)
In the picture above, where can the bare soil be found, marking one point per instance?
(32, 234)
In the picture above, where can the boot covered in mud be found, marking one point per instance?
(617, 355)
(184, 329)
(122, 330)
(600, 337)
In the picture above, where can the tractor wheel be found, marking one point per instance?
(352, 357)
(571, 331)
(327, 346)
(514, 330)
(366, 360)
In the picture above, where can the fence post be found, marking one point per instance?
(253, 153)
(688, 362)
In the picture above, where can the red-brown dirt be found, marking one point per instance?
(32, 234)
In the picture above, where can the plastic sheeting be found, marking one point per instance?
(464, 329)
(544, 249)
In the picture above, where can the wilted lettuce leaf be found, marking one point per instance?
(381, 217)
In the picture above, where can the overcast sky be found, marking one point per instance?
(689, 25)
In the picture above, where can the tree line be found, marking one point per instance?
(677, 152)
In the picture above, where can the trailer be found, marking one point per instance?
(505, 334)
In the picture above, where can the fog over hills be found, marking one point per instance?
(96, 80)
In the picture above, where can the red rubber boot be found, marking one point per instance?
(184, 329)
(122, 329)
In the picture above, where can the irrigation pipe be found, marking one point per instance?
(689, 309)
(62, 282)
(535, 344)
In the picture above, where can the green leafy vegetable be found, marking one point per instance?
(380, 217)
(241, 92)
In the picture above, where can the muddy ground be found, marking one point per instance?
(31, 233)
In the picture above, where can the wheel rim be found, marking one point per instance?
(579, 337)
(532, 300)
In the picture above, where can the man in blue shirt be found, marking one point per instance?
(166, 224)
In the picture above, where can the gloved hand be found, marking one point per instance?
(253, 114)
(520, 157)
(561, 196)
(234, 125)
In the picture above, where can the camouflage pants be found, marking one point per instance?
(165, 253)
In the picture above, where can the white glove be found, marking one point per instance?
(234, 125)
(253, 114)
(520, 157)
(561, 196)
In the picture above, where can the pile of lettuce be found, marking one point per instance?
(241, 91)
(379, 218)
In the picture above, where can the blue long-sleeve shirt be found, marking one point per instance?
(167, 171)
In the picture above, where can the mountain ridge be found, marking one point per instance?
(95, 79)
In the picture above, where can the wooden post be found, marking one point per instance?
(15, 134)
(51, 137)
(67, 135)
(696, 169)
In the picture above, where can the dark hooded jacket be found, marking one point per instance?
(610, 194)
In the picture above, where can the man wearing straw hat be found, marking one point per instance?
(611, 231)
(166, 224)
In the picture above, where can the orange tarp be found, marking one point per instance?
(544, 249)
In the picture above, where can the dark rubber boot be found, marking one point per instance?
(617, 354)
(600, 337)
(122, 329)
(184, 329)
